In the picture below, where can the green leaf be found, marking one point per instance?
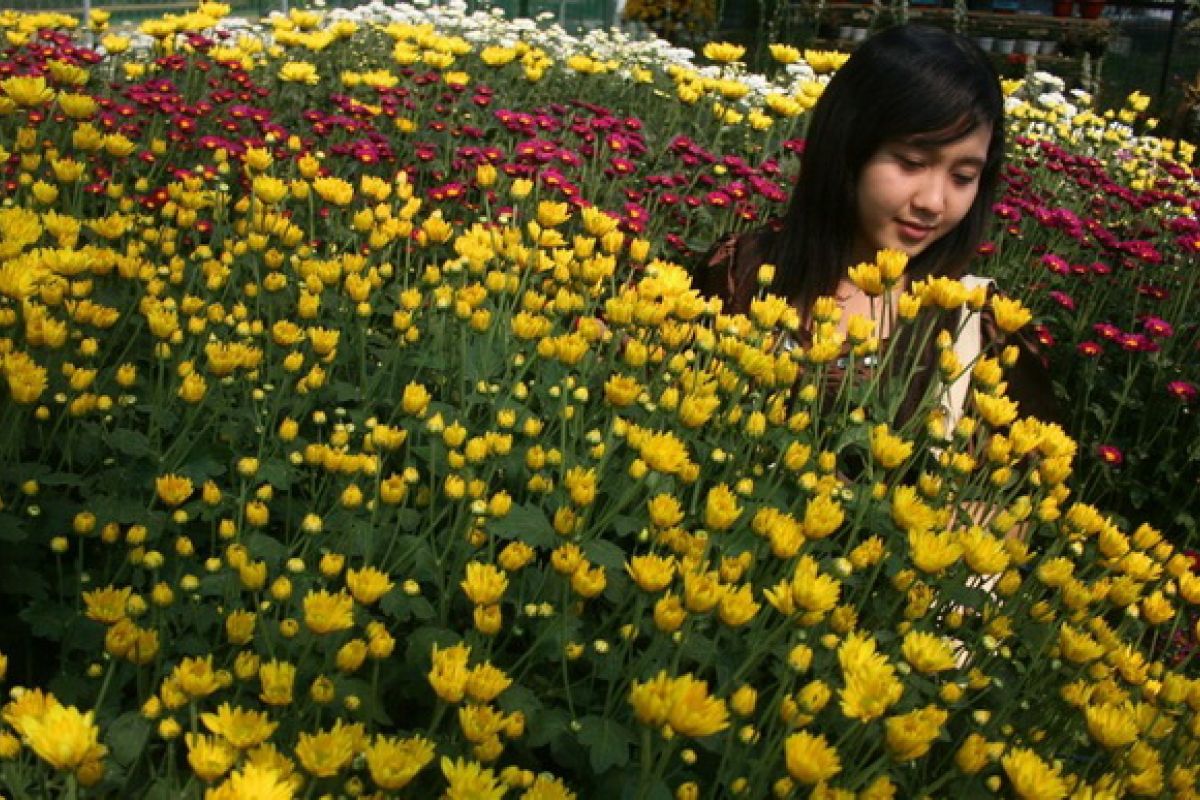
(484, 362)
(47, 620)
(61, 479)
(266, 547)
(422, 640)
(220, 584)
(627, 526)
(699, 648)
(421, 609)
(548, 725)
(346, 392)
(425, 566)
(277, 473)
(25, 471)
(527, 524)
(124, 509)
(403, 608)
(657, 790)
(129, 442)
(608, 742)
(162, 414)
(161, 789)
(202, 467)
(11, 529)
(126, 737)
(604, 553)
(407, 519)
(519, 698)
(19, 580)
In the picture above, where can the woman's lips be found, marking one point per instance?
(914, 232)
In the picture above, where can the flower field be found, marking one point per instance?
(362, 435)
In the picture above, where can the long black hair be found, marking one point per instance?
(921, 85)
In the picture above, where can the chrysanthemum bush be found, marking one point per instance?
(363, 436)
(1098, 227)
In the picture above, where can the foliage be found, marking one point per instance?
(362, 434)
(676, 20)
(1103, 241)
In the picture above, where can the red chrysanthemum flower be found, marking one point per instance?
(1112, 456)
(1182, 390)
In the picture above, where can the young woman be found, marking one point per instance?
(903, 151)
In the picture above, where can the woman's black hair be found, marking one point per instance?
(921, 85)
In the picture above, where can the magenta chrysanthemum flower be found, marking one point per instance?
(1182, 390)
(1157, 326)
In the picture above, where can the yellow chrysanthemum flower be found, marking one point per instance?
(1011, 315)
(810, 758)
(242, 728)
(811, 590)
(393, 762)
(27, 91)
(1031, 777)
(652, 573)
(784, 54)
(326, 613)
(1112, 726)
(63, 736)
(468, 780)
(927, 652)
(368, 584)
(449, 675)
(724, 52)
(909, 736)
(299, 72)
(484, 584)
(871, 686)
(326, 753)
(210, 757)
(254, 782)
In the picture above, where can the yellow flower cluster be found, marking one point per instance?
(366, 472)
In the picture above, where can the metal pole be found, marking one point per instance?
(1172, 32)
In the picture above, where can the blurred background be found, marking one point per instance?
(1108, 48)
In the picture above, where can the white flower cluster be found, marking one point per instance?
(633, 53)
(604, 44)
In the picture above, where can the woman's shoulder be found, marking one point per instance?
(729, 268)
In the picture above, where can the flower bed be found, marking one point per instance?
(1099, 225)
(363, 435)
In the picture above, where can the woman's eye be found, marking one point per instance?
(964, 180)
(909, 163)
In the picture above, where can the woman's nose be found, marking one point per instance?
(930, 195)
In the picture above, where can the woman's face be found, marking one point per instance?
(911, 195)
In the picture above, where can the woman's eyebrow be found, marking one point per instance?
(970, 161)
